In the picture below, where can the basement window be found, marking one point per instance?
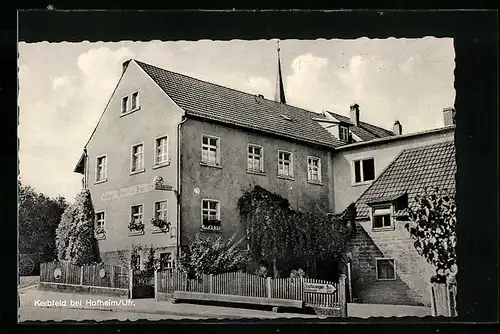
(385, 269)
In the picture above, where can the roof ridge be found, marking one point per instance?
(224, 87)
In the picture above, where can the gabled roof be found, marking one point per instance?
(217, 103)
(413, 171)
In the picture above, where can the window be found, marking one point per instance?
(135, 101)
(385, 269)
(130, 102)
(124, 104)
(210, 150)
(99, 223)
(381, 218)
(210, 214)
(136, 214)
(165, 261)
(137, 158)
(314, 169)
(101, 169)
(343, 133)
(285, 163)
(255, 158)
(161, 210)
(364, 170)
(161, 151)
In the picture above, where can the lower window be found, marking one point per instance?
(385, 269)
(165, 261)
(210, 210)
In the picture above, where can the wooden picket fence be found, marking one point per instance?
(243, 284)
(87, 275)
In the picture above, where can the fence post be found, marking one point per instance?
(81, 275)
(113, 276)
(268, 281)
(210, 283)
(130, 282)
(342, 296)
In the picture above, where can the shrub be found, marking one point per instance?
(75, 238)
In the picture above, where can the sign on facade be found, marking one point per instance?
(134, 190)
(319, 288)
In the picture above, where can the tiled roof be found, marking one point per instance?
(210, 101)
(413, 171)
(364, 131)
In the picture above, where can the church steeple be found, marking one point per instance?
(280, 89)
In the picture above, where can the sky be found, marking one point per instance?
(64, 87)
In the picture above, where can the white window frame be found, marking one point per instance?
(217, 213)
(141, 205)
(134, 95)
(126, 104)
(253, 155)
(342, 133)
(103, 221)
(156, 155)
(363, 181)
(310, 166)
(129, 108)
(290, 175)
(208, 146)
(393, 267)
(132, 155)
(164, 210)
(97, 170)
(382, 210)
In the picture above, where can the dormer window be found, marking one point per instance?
(382, 217)
(344, 133)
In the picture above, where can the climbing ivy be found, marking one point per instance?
(278, 233)
(432, 226)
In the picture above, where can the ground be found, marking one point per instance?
(30, 308)
(26, 281)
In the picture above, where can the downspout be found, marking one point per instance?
(178, 186)
(85, 169)
(348, 266)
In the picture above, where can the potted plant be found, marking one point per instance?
(99, 230)
(161, 224)
(136, 226)
(212, 224)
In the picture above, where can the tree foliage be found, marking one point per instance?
(432, 226)
(208, 256)
(75, 238)
(277, 232)
(39, 216)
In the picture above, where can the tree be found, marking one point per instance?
(39, 216)
(75, 238)
(278, 233)
(432, 226)
(208, 256)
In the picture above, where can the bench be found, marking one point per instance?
(212, 297)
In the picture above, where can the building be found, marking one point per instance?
(171, 148)
(385, 266)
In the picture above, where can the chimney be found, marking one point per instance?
(125, 65)
(397, 128)
(354, 114)
(449, 116)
